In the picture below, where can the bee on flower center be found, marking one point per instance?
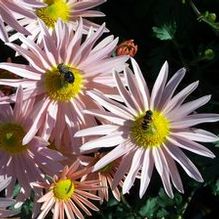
(67, 74)
(147, 119)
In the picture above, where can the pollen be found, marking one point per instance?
(56, 9)
(63, 189)
(58, 87)
(150, 133)
(11, 136)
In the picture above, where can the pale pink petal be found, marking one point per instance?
(123, 168)
(143, 88)
(198, 135)
(98, 130)
(171, 87)
(111, 105)
(146, 171)
(190, 145)
(158, 87)
(195, 119)
(37, 117)
(135, 166)
(21, 70)
(105, 141)
(189, 107)
(178, 99)
(106, 115)
(184, 161)
(112, 155)
(174, 173)
(162, 168)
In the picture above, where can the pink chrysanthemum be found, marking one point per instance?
(68, 11)
(5, 202)
(59, 75)
(151, 130)
(11, 10)
(68, 195)
(25, 163)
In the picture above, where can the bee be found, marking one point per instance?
(68, 75)
(147, 119)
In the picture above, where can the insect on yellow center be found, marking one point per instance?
(63, 83)
(150, 129)
(11, 136)
(55, 9)
(63, 189)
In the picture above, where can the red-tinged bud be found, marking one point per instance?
(127, 48)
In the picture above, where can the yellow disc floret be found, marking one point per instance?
(11, 136)
(63, 189)
(56, 9)
(150, 131)
(59, 89)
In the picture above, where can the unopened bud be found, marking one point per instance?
(127, 48)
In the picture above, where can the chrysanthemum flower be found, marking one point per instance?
(25, 163)
(59, 75)
(10, 10)
(68, 195)
(151, 130)
(5, 202)
(69, 11)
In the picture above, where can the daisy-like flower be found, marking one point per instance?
(5, 202)
(24, 163)
(11, 9)
(151, 130)
(59, 75)
(69, 11)
(68, 195)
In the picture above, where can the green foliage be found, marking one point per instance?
(165, 32)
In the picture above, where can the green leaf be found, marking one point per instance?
(150, 207)
(165, 32)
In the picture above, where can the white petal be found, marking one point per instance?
(192, 146)
(178, 99)
(184, 161)
(146, 172)
(112, 155)
(111, 105)
(143, 88)
(106, 141)
(106, 115)
(162, 169)
(98, 130)
(171, 86)
(195, 119)
(199, 135)
(158, 87)
(135, 166)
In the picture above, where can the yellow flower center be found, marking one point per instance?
(150, 129)
(11, 136)
(56, 9)
(64, 189)
(60, 86)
